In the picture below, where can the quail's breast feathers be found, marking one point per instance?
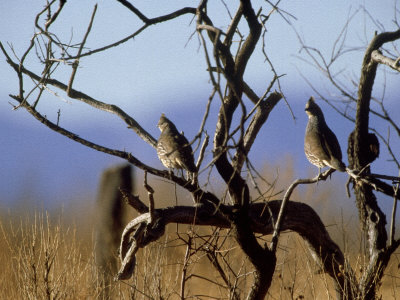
(321, 146)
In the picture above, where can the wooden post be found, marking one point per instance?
(110, 223)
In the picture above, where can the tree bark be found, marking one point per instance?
(300, 218)
(371, 216)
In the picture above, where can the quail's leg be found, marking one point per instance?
(319, 175)
(193, 178)
(188, 175)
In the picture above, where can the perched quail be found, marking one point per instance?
(320, 143)
(173, 148)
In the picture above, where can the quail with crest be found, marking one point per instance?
(320, 144)
(173, 149)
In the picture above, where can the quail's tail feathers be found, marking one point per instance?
(337, 165)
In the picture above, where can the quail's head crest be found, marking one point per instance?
(312, 108)
(162, 122)
(165, 123)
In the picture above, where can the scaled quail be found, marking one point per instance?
(320, 143)
(173, 148)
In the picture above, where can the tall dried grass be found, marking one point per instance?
(49, 256)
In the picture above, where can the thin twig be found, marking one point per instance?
(132, 124)
(393, 219)
(286, 198)
(202, 150)
(76, 62)
(150, 193)
(185, 267)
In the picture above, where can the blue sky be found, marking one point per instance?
(163, 70)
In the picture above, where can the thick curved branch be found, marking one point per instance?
(251, 41)
(234, 74)
(378, 57)
(262, 258)
(233, 26)
(368, 73)
(300, 218)
(371, 216)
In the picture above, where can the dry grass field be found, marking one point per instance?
(49, 255)
(43, 257)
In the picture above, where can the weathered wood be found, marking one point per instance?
(372, 218)
(299, 217)
(109, 222)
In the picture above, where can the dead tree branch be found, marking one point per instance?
(76, 62)
(132, 124)
(378, 57)
(299, 217)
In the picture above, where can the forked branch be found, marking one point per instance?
(132, 124)
(299, 217)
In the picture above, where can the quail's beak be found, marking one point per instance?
(307, 108)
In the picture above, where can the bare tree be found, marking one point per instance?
(357, 103)
(227, 54)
